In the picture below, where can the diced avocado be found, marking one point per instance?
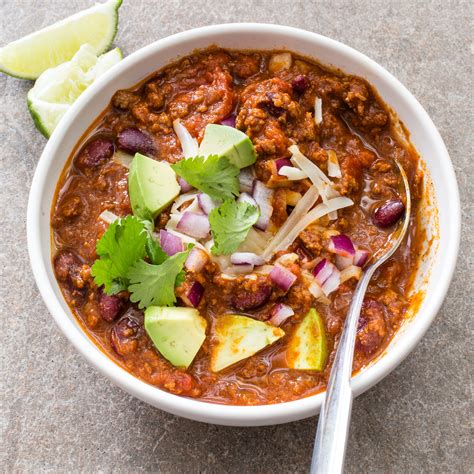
(152, 186)
(178, 333)
(227, 141)
(307, 348)
(239, 337)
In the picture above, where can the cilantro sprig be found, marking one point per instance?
(121, 265)
(153, 285)
(119, 248)
(230, 224)
(213, 175)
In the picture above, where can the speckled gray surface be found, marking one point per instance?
(60, 415)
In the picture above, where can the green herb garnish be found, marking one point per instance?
(230, 224)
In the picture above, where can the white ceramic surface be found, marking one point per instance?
(434, 275)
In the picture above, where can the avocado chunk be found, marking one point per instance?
(177, 333)
(152, 186)
(239, 337)
(307, 348)
(227, 141)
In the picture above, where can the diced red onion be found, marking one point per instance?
(246, 258)
(333, 282)
(282, 162)
(170, 243)
(351, 272)
(264, 198)
(361, 257)
(229, 121)
(196, 260)
(281, 312)
(341, 245)
(195, 225)
(108, 217)
(315, 289)
(245, 197)
(343, 262)
(282, 277)
(189, 144)
(323, 270)
(246, 179)
(193, 296)
(185, 186)
(206, 203)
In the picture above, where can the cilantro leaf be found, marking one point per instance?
(153, 285)
(154, 251)
(122, 244)
(213, 175)
(230, 224)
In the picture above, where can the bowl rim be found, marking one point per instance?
(206, 411)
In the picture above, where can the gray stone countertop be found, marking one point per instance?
(59, 415)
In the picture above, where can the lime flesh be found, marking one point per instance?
(57, 88)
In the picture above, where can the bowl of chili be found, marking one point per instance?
(275, 87)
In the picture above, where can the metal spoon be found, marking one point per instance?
(333, 425)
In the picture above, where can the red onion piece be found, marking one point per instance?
(343, 262)
(206, 203)
(195, 225)
(196, 260)
(170, 243)
(282, 162)
(332, 283)
(193, 296)
(342, 245)
(229, 121)
(322, 271)
(246, 179)
(281, 313)
(282, 277)
(361, 257)
(264, 198)
(185, 186)
(245, 197)
(246, 258)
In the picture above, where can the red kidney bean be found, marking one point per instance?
(300, 83)
(95, 153)
(134, 141)
(109, 307)
(124, 335)
(388, 213)
(66, 265)
(246, 299)
(270, 107)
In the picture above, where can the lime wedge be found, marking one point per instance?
(57, 88)
(28, 57)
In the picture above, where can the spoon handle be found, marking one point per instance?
(334, 419)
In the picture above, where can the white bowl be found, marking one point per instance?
(442, 221)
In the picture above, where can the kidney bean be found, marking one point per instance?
(110, 307)
(124, 335)
(134, 141)
(95, 153)
(270, 106)
(251, 299)
(388, 213)
(300, 83)
(66, 265)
